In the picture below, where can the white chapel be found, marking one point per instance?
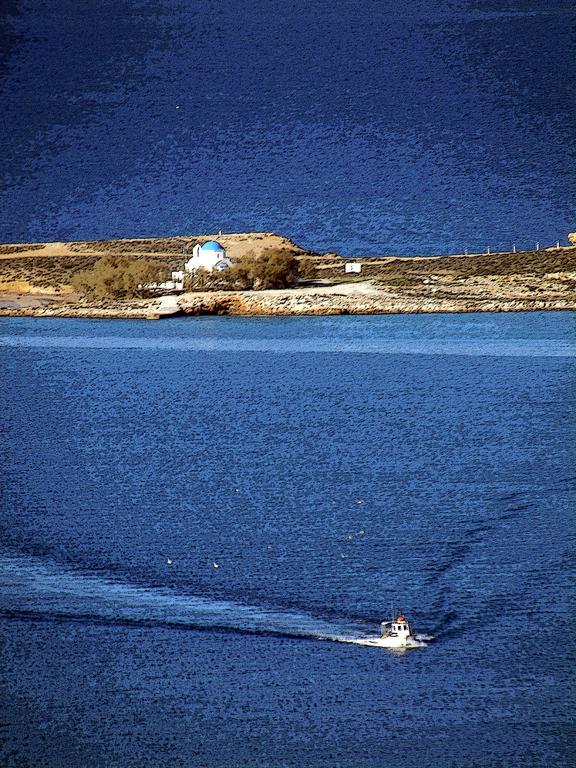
(210, 256)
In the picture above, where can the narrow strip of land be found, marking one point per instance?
(35, 280)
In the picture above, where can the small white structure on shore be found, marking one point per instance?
(352, 266)
(168, 285)
(210, 256)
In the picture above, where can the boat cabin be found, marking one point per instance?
(397, 628)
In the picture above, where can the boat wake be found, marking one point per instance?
(32, 588)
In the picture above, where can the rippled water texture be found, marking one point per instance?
(368, 128)
(196, 513)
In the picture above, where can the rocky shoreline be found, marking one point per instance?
(360, 298)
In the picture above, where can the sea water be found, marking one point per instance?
(373, 127)
(194, 513)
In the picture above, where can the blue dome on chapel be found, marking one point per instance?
(212, 245)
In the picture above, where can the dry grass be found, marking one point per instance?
(523, 263)
(8, 250)
(44, 271)
(52, 265)
(43, 265)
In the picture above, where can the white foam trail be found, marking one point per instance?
(34, 587)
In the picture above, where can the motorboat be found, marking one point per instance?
(396, 634)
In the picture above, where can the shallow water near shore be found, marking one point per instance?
(195, 513)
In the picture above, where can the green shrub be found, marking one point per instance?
(272, 269)
(275, 269)
(114, 277)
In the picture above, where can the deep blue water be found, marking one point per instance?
(369, 128)
(331, 468)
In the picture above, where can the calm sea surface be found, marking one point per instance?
(421, 126)
(304, 476)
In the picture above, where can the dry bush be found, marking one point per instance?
(115, 278)
(307, 269)
(271, 269)
(200, 280)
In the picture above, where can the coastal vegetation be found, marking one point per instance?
(48, 278)
(116, 277)
(271, 269)
(50, 267)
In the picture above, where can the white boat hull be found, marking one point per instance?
(392, 643)
(397, 635)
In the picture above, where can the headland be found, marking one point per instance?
(36, 280)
